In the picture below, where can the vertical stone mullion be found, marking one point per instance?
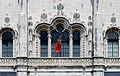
(0, 47)
(71, 45)
(49, 45)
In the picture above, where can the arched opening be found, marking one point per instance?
(113, 44)
(59, 33)
(44, 44)
(76, 44)
(7, 44)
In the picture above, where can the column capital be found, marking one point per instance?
(49, 36)
(71, 36)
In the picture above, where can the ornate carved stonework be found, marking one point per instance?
(43, 17)
(60, 7)
(7, 20)
(59, 61)
(113, 18)
(76, 16)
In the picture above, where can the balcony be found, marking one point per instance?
(59, 61)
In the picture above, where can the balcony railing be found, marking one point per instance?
(59, 61)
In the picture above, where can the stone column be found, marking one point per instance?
(22, 73)
(38, 46)
(71, 45)
(98, 73)
(81, 46)
(14, 47)
(23, 29)
(119, 46)
(105, 47)
(22, 70)
(49, 45)
(0, 46)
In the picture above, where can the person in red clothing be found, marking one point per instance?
(58, 46)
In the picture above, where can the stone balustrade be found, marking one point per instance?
(59, 61)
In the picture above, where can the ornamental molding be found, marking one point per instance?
(39, 62)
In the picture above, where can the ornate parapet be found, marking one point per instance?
(83, 62)
(112, 61)
(7, 61)
(60, 62)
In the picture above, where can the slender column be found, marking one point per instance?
(0, 47)
(38, 46)
(81, 46)
(106, 48)
(49, 45)
(71, 45)
(14, 47)
(119, 46)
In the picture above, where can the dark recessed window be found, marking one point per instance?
(44, 44)
(7, 44)
(113, 44)
(64, 37)
(76, 44)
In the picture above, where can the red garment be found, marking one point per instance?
(58, 46)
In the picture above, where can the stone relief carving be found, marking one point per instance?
(113, 18)
(76, 16)
(43, 17)
(60, 7)
(30, 31)
(7, 20)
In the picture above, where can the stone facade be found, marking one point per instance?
(25, 18)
